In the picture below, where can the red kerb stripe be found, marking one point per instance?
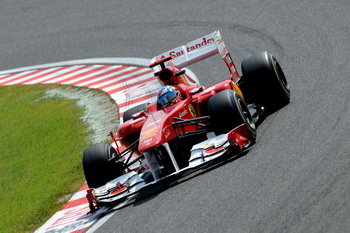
(22, 76)
(80, 201)
(80, 230)
(98, 75)
(84, 187)
(42, 75)
(66, 73)
(82, 74)
(123, 80)
(115, 77)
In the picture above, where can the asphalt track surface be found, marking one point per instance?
(296, 178)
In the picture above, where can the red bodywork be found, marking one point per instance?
(155, 126)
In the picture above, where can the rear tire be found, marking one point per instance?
(98, 169)
(264, 80)
(227, 110)
(128, 114)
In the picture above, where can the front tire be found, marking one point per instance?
(98, 168)
(227, 110)
(264, 80)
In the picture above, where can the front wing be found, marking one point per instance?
(129, 185)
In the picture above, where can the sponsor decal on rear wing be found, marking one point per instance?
(198, 50)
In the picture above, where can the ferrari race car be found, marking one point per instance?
(188, 126)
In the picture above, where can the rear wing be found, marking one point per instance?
(198, 50)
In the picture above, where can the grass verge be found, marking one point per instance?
(41, 142)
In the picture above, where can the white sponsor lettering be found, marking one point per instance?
(183, 113)
(189, 47)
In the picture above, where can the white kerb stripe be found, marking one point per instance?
(14, 76)
(33, 76)
(105, 77)
(90, 75)
(63, 77)
(58, 73)
(119, 79)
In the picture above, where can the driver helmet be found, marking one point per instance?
(167, 96)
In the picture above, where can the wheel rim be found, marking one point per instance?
(247, 118)
(280, 75)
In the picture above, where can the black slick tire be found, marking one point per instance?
(227, 110)
(264, 80)
(128, 113)
(98, 168)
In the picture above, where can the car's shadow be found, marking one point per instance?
(153, 190)
(269, 111)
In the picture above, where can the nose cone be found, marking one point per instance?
(156, 130)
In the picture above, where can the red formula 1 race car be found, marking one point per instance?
(188, 126)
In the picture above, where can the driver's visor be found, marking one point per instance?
(167, 98)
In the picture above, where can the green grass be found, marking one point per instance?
(41, 143)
